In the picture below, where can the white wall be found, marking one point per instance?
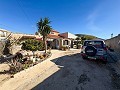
(68, 35)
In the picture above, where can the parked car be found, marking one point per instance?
(94, 49)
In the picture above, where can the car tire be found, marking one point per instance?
(104, 62)
(84, 57)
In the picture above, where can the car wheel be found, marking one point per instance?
(105, 60)
(84, 57)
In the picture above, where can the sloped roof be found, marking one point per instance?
(53, 36)
(54, 31)
(28, 37)
(38, 38)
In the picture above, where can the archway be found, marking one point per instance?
(55, 44)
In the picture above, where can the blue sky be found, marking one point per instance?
(95, 17)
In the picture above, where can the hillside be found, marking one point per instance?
(87, 37)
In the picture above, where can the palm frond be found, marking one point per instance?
(43, 26)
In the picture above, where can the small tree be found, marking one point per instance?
(78, 41)
(44, 29)
(83, 39)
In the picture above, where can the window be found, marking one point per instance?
(51, 32)
(65, 42)
(97, 44)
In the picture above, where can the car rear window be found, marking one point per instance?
(98, 44)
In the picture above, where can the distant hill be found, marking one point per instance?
(87, 37)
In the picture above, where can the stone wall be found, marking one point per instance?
(17, 35)
(114, 43)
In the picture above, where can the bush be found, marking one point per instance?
(32, 45)
(64, 47)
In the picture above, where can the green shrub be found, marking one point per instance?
(33, 45)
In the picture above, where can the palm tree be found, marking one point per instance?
(44, 29)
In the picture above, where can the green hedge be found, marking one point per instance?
(33, 45)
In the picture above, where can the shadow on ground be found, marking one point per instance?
(77, 74)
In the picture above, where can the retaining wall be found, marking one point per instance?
(114, 43)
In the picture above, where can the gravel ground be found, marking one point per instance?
(66, 70)
(78, 74)
(27, 79)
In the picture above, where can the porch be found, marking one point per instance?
(58, 43)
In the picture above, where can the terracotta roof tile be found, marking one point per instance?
(38, 38)
(53, 36)
(54, 31)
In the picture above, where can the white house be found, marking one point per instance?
(68, 35)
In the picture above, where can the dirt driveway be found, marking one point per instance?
(78, 74)
(66, 70)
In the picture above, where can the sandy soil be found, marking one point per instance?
(25, 77)
(3, 75)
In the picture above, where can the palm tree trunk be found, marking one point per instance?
(45, 44)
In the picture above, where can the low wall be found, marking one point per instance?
(114, 43)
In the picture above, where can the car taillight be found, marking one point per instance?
(105, 48)
(82, 47)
